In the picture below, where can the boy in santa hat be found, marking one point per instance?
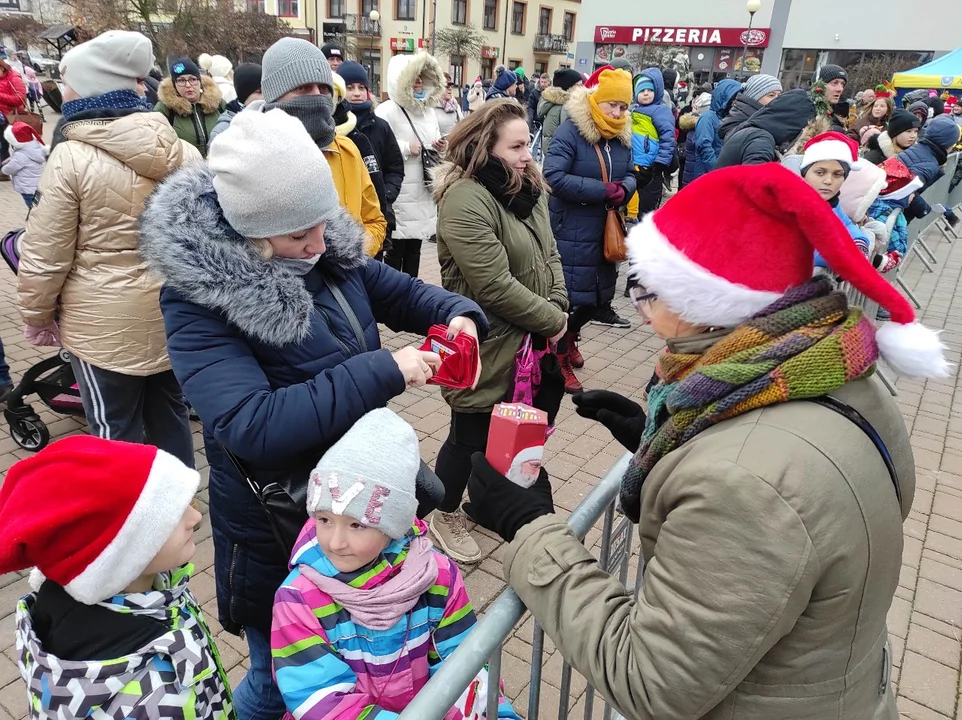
(28, 155)
(111, 629)
(826, 164)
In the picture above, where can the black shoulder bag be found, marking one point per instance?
(285, 500)
(430, 158)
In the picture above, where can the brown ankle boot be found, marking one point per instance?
(572, 384)
(577, 359)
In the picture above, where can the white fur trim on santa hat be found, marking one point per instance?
(912, 350)
(687, 288)
(913, 185)
(168, 491)
(10, 137)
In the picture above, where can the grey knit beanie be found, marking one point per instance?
(114, 60)
(758, 86)
(370, 474)
(290, 63)
(270, 177)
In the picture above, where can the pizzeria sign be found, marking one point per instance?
(660, 35)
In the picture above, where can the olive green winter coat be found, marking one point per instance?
(509, 266)
(193, 123)
(772, 543)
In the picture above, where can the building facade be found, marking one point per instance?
(538, 36)
(799, 35)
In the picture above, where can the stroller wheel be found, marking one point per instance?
(31, 435)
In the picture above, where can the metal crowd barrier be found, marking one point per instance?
(484, 644)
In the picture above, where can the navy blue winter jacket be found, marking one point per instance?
(707, 142)
(577, 204)
(271, 364)
(927, 157)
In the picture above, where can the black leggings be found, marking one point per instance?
(404, 254)
(577, 319)
(468, 435)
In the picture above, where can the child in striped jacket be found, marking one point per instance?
(370, 610)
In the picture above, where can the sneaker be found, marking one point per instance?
(607, 316)
(883, 314)
(572, 384)
(453, 537)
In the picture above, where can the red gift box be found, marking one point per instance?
(516, 442)
(459, 358)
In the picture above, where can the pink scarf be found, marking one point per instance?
(380, 607)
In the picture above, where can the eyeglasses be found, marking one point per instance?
(641, 298)
(185, 81)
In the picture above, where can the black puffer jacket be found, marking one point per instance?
(742, 109)
(759, 139)
(378, 131)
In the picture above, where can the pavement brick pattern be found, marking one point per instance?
(926, 615)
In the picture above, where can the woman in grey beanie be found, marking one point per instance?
(271, 309)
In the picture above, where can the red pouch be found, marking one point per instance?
(459, 358)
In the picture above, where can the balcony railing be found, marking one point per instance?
(361, 25)
(551, 44)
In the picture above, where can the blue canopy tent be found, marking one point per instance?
(944, 73)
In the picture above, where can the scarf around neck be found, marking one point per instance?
(114, 100)
(804, 345)
(316, 112)
(361, 110)
(607, 126)
(494, 176)
(380, 607)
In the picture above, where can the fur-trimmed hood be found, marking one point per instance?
(883, 142)
(580, 113)
(209, 102)
(186, 241)
(444, 176)
(403, 70)
(555, 95)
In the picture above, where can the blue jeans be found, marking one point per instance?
(257, 696)
(27, 198)
(4, 368)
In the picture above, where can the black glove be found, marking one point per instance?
(552, 389)
(643, 176)
(499, 505)
(624, 418)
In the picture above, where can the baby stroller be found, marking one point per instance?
(51, 380)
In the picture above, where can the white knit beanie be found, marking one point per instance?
(114, 60)
(370, 474)
(270, 177)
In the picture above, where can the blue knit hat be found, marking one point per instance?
(643, 82)
(505, 80)
(352, 72)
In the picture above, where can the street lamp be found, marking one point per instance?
(753, 6)
(374, 16)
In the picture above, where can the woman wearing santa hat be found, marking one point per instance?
(770, 478)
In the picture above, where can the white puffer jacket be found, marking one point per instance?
(416, 213)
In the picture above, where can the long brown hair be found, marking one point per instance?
(4, 67)
(472, 140)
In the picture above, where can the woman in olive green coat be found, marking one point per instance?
(495, 247)
(191, 102)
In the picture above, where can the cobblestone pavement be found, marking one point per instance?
(926, 615)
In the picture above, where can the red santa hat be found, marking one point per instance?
(92, 514)
(830, 146)
(900, 182)
(766, 225)
(20, 134)
(595, 77)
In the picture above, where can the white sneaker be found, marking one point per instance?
(453, 537)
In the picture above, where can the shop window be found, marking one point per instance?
(519, 12)
(404, 9)
(459, 12)
(490, 14)
(487, 68)
(456, 71)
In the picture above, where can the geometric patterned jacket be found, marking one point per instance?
(179, 675)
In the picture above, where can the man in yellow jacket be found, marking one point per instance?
(297, 79)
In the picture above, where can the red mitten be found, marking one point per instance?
(614, 193)
(891, 261)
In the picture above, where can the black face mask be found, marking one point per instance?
(316, 114)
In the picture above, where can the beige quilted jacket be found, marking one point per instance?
(80, 248)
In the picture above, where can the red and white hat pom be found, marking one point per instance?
(91, 514)
(765, 227)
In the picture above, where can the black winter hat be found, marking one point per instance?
(352, 72)
(670, 76)
(901, 121)
(832, 72)
(331, 50)
(566, 78)
(184, 66)
(247, 80)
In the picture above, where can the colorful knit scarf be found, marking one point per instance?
(806, 344)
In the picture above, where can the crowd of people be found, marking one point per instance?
(235, 245)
